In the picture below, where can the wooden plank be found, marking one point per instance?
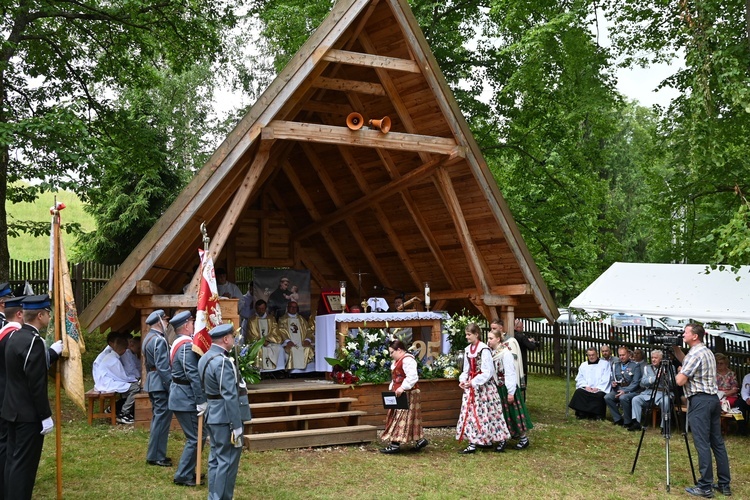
(342, 85)
(327, 134)
(371, 61)
(307, 416)
(309, 438)
(146, 287)
(302, 402)
(465, 293)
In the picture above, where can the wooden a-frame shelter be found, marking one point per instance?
(293, 186)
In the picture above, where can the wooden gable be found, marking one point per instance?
(293, 186)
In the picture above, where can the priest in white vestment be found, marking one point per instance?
(300, 343)
(263, 326)
(593, 382)
(110, 376)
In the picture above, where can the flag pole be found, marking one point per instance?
(59, 317)
(206, 242)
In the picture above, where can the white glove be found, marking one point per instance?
(237, 437)
(57, 347)
(47, 426)
(201, 408)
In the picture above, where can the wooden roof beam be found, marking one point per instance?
(342, 85)
(327, 134)
(443, 182)
(371, 61)
(417, 175)
(466, 293)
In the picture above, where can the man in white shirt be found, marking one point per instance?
(224, 287)
(131, 359)
(592, 384)
(109, 376)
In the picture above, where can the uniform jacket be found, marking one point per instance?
(185, 397)
(218, 377)
(26, 366)
(630, 374)
(158, 371)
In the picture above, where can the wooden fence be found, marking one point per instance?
(556, 341)
(87, 278)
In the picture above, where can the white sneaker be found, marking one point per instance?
(125, 419)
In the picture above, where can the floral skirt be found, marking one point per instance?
(402, 426)
(516, 415)
(481, 420)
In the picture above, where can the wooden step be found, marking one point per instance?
(309, 416)
(308, 438)
(301, 402)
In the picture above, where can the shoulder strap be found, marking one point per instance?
(203, 375)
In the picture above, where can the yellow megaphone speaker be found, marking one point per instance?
(384, 124)
(355, 121)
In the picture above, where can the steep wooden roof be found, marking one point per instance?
(292, 186)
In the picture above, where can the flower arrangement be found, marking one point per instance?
(363, 358)
(247, 361)
(455, 328)
(444, 366)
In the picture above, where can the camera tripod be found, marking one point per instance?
(665, 383)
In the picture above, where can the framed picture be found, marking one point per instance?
(332, 302)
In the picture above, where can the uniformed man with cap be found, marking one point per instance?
(158, 381)
(25, 406)
(14, 318)
(223, 418)
(5, 294)
(186, 398)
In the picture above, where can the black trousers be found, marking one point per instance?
(24, 452)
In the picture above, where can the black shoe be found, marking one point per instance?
(635, 426)
(618, 422)
(523, 443)
(421, 444)
(468, 450)
(160, 463)
(700, 492)
(184, 483)
(391, 449)
(500, 448)
(724, 490)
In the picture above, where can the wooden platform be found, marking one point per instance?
(297, 413)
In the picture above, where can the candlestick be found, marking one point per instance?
(343, 295)
(427, 296)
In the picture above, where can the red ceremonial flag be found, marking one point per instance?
(208, 312)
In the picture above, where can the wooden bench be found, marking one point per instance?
(105, 399)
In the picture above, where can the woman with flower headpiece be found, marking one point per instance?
(481, 419)
(514, 407)
(404, 425)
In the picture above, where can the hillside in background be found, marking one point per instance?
(29, 248)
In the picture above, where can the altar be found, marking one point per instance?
(329, 326)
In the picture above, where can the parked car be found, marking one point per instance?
(675, 324)
(621, 319)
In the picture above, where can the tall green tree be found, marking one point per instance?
(62, 65)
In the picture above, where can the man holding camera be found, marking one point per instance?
(698, 377)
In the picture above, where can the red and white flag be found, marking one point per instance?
(208, 312)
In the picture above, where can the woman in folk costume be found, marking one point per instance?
(403, 425)
(481, 420)
(514, 407)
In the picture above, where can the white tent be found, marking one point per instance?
(675, 290)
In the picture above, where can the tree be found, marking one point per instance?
(63, 64)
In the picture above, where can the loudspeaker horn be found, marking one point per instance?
(355, 121)
(384, 124)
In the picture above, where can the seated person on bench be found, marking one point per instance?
(109, 376)
(264, 326)
(300, 339)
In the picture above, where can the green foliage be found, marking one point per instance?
(455, 328)
(247, 361)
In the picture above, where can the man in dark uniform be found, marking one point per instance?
(223, 418)
(26, 407)
(158, 380)
(186, 397)
(14, 318)
(5, 294)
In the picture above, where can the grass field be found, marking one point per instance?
(29, 248)
(567, 459)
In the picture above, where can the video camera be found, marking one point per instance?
(666, 338)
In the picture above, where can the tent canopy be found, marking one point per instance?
(674, 290)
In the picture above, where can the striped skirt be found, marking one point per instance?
(402, 426)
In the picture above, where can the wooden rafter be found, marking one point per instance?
(342, 85)
(327, 134)
(465, 293)
(420, 174)
(371, 61)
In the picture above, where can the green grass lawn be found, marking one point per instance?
(29, 248)
(567, 459)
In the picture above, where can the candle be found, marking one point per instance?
(427, 295)
(343, 295)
